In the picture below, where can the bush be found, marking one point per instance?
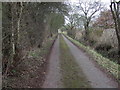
(104, 47)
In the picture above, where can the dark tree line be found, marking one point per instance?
(26, 25)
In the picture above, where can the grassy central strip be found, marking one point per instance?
(72, 75)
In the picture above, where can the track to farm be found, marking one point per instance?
(94, 76)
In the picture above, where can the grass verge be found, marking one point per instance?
(72, 75)
(110, 66)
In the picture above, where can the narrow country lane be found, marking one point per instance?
(53, 76)
(96, 77)
(60, 44)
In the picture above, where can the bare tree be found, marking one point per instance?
(89, 9)
(71, 25)
(115, 9)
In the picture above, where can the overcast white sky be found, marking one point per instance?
(106, 2)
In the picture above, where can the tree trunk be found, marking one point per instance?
(19, 19)
(115, 12)
(16, 32)
(86, 26)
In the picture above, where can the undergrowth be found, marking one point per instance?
(31, 71)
